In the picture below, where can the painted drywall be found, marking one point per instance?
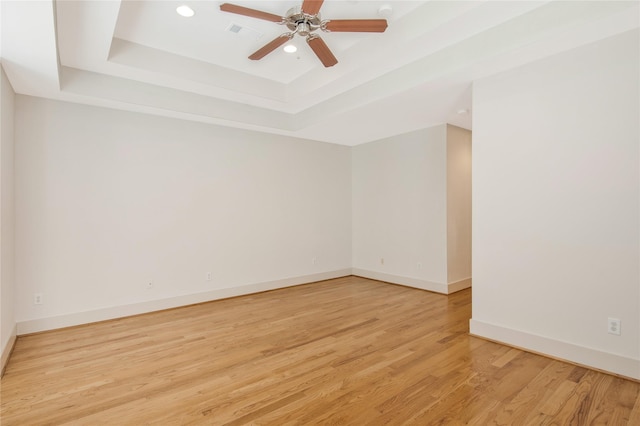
(412, 209)
(458, 205)
(7, 273)
(110, 202)
(400, 209)
(556, 194)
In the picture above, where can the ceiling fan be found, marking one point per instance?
(304, 21)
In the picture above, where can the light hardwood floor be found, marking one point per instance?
(345, 351)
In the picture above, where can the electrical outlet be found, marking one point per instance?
(37, 299)
(419, 265)
(150, 285)
(209, 276)
(314, 260)
(382, 260)
(613, 326)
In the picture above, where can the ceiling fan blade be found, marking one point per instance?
(240, 10)
(322, 51)
(312, 7)
(357, 25)
(270, 47)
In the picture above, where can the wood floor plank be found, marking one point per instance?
(518, 408)
(344, 351)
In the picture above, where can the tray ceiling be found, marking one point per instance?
(142, 56)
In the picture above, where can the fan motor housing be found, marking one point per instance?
(301, 23)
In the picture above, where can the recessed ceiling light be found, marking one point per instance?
(185, 11)
(290, 48)
(385, 10)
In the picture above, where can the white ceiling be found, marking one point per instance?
(142, 56)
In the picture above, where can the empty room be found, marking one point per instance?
(320, 212)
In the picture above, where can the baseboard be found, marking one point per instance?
(397, 279)
(599, 360)
(8, 349)
(458, 285)
(79, 318)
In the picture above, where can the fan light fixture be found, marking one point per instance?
(305, 21)
(290, 48)
(185, 11)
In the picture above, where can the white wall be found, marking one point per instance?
(458, 206)
(412, 209)
(556, 198)
(7, 275)
(400, 209)
(109, 200)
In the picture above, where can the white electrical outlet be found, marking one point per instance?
(613, 326)
(314, 260)
(382, 260)
(37, 299)
(209, 276)
(419, 265)
(149, 285)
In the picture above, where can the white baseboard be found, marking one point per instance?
(458, 285)
(69, 320)
(414, 282)
(7, 349)
(605, 361)
(397, 279)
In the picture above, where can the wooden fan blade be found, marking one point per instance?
(322, 51)
(270, 47)
(240, 10)
(357, 25)
(312, 7)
